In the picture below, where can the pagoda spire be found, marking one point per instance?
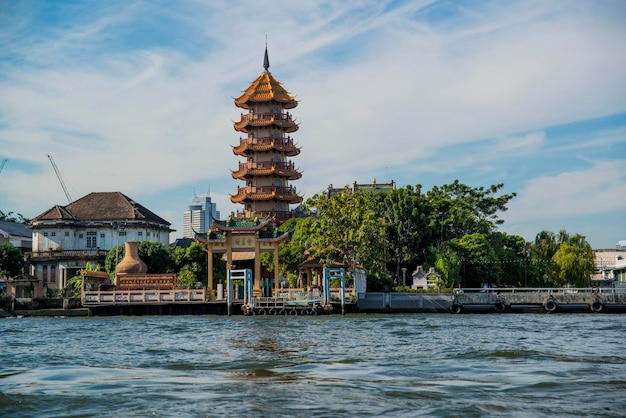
(266, 59)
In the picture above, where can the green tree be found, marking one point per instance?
(155, 255)
(11, 261)
(543, 271)
(574, 260)
(479, 261)
(11, 217)
(510, 251)
(349, 230)
(293, 252)
(458, 210)
(406, 214)
(114, 256)
(186, 279)
(447, 263)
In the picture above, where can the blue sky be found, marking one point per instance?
(136, 96)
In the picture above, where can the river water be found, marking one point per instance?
(440, 365)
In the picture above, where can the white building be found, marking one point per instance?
(65, 238)
(199, 216)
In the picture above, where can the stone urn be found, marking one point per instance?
(131, 263)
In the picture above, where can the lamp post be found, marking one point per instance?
(403, 276)
(117, 226)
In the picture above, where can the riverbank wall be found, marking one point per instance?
(460, 301)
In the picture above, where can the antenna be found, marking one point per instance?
(58, 173)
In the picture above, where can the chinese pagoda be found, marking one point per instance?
(267, 147)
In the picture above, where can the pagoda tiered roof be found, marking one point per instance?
(264, 228)
(283, 194)
(265, 89)
(264, 119)
(254, 144)
(266, 168)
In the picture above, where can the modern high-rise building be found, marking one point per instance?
(267, 147)
(199, 216)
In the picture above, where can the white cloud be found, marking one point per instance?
(592, 191)
(380, 87)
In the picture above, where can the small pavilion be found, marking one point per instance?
(243, 238)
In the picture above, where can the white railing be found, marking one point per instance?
(144, 296)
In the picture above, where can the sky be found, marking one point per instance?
(137, 97)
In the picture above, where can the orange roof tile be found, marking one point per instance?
(265, 89)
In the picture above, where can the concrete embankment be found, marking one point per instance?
(460, 301)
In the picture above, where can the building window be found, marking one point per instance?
(53, 234)
(278, 183)
(140, 234)
(53, 274)
(147, 234)
(45, 234)
(101, 235)
(277, 159)
(276, 135)
(80, 236)
(44, 273)
(67, 233)
(279, 207)
(122, 233)
(91, 239)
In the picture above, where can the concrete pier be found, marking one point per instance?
(539, 299)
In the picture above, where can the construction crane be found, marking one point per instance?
(2, 164)
(58, 173)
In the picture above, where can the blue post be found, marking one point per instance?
(330, 273)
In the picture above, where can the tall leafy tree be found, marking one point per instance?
(543, 271)
(511, 253)
(295, 251)
(448, 264)
(349, 230)
(406, 213)
(458, 209)
(11, 261)
(479, 262)
(574, 260)
(156, 256)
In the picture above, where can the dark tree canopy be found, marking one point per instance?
(11, 261)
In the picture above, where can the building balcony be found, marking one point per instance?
(261, 119)
(254, 193)
(50, 255)
(268, 168)
(264, 144)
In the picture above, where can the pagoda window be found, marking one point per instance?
(276, 135)
(277, 159)
(275, 111)
(278, 183)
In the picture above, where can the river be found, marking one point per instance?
(438, 365)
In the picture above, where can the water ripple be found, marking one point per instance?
(357, 365)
